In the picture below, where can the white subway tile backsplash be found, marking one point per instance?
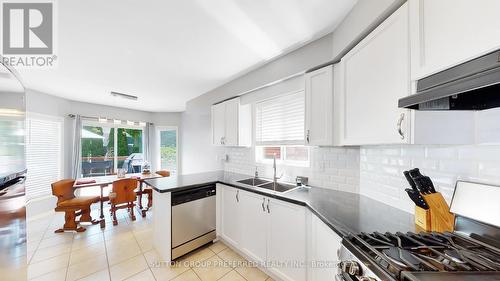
(414, 152)
(330, 167)
(376, 171)
(381, 169)
(483, 153)
(438, 152)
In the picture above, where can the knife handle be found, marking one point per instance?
(410, 181)
(415, 173)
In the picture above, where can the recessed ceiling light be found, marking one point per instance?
(103, 120)
(117, 121)
(125, 96)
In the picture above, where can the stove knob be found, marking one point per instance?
(351, 267)
(367, 279)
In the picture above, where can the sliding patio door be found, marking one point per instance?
(108, 147)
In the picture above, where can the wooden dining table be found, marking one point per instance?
(105, 181)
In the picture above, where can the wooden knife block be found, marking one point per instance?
(438, 217)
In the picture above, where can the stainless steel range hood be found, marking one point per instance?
(473, 85)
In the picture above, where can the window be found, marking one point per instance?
(108, 147)
(130, 148)
(280, 120)
(168, 148)
(43, 153)
(97, 151)
(280, 130)
(287, 155)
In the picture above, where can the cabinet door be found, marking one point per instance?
(218, 123)
(445, 33)
(231, 218)
(319, 106)
(231, 122)
(325, 244)
(287, 240)
(376, 75)
(255, 225)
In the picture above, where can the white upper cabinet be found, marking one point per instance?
(319, 107)
(232, 117)
(231, 123)
(445, 33)
(375, 74)
(218, 123)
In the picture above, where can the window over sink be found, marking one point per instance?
(279, 125)
(290, 155)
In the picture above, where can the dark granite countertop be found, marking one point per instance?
(343, 212)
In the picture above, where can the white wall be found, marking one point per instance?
(363, 18)
(42, 103)
(198, 154)
(381, 169)
(375, 171)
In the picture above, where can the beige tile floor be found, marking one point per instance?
(123, 252)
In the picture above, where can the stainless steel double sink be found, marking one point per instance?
(267, 184)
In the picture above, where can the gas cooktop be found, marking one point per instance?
(392, 256)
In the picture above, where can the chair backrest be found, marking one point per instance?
(163, 173)
(123, 191)
(63, 190)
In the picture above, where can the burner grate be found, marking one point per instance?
(400, 252)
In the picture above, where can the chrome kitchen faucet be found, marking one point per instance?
(275, 178)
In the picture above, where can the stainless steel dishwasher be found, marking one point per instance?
(193, 219)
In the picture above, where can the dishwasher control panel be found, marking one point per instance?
(195, 193)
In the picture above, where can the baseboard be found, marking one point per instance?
(40, 216)
(248, 258)
(40, 207)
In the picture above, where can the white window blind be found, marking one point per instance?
(43, 154)
(280, 120)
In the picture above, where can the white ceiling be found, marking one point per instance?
(168, 52)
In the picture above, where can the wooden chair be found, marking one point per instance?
(123, 196)
(149, 191)
(163, 173)
(72, 206)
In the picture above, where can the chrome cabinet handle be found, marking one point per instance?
(237, 196)
(268, 211)
(307, 136)
(400, 123)
(263, 202)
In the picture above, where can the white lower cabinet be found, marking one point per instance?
(231, 222)
(287, 242)
(295, 244)
(323, 251)
(266, 230)
(254, 226)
